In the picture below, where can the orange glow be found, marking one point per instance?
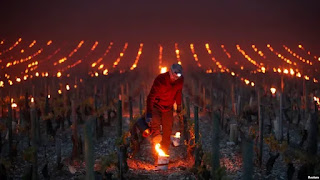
(101, 66)
(49, 42)
(14, 105)
(67, 87)
(273, 90)
(285, 71)
(32, 100)
(96, 74)
(291, 71)
(1, 84)
(18, 80)
(49, 96)
(59, 74)
(298, 74)
(59, 91)
(177, 135)
(160, 151)
(163, 70)
(105, 72)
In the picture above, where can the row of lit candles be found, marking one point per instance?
(134, 65)
(195, 56)
(116, 62)
(11, 47)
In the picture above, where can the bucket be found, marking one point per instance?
(162, 163)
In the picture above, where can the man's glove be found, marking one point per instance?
(149, 119)
(178, 109)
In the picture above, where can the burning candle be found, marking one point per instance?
(273, 90)
(14, 105)
(176, 139)
(163, 70)
(67, 87)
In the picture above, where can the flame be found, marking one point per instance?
(163, 70)
(273, 90)
(14, 105)
(160, 151)
(177, 135)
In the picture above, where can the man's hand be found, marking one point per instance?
(149, 119)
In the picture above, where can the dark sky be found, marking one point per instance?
(223, 20)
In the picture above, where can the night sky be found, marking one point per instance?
(144, 20)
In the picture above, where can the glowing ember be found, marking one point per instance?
(160, 151)
(32, 100)
(49, 96)
(67, 87)
(163, 70)
(177, 135)
(273, 90)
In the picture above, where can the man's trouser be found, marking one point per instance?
(165, 119)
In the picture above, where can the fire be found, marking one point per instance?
(163, 70)
(14, 105)
(273, 90)
(177, 135)
(160, 151)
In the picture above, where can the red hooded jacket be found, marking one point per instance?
(164, 93)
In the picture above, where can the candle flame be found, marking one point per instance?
(163, 70)
(14, 105)
(177, 135)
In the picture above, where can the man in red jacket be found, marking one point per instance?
(165, 91)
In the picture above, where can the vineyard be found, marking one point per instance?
(68, 110)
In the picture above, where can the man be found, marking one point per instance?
(165, 91)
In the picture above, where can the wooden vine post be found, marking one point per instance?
(215, 164)
(34, 142)
(260, 116)
(196, 132)
(9, 126)
(89, 156)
